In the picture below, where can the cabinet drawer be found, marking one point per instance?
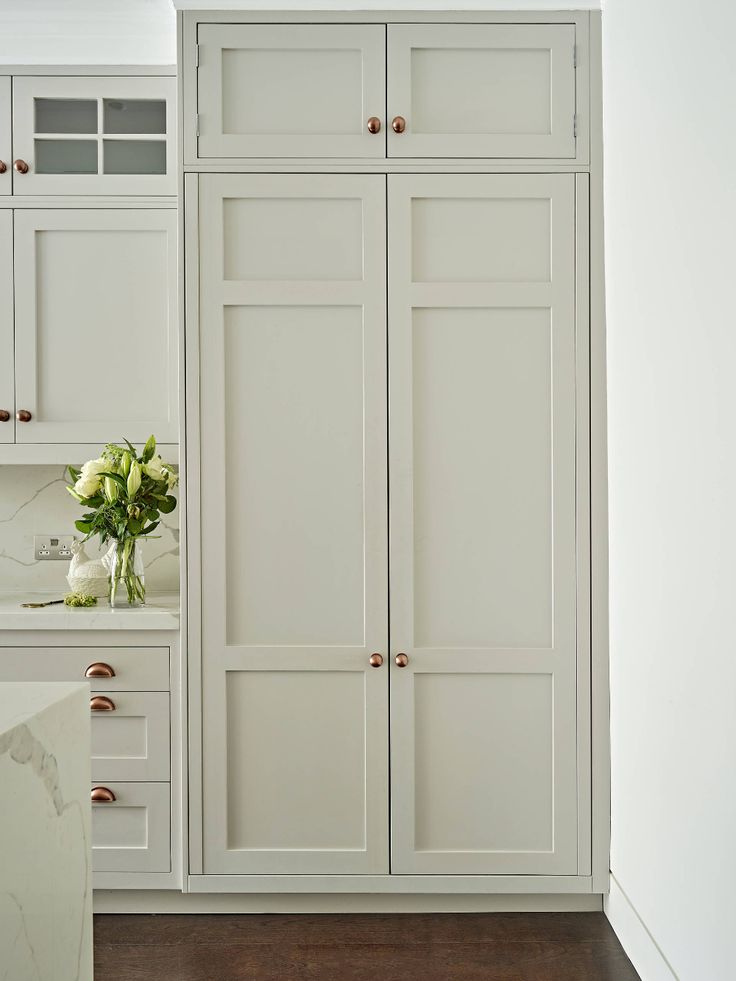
(482, 90)
(277, 90)
(135, 668)
(131, 740)
(132, 832)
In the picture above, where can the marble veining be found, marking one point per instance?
(33, 502)
(45, 840)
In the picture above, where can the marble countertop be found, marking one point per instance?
(161, 612)
(21, 701)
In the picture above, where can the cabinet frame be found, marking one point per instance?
(6, 150)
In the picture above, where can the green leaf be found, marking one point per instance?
(152, 514)
(135, 526)
(116, 477)
(150, 528)
(84, 526)
(133, 451)
(77, 497)
(149, 449)
(74, 474)
(167, 504)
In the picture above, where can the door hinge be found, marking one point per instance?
(196, 125)
(196, 56)
(574, 125)
(574, 56)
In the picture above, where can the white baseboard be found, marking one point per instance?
(637, 941)
(130, 901)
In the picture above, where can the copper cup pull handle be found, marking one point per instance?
(401, 660)
(23, 415)
(375, 660)
(21, 166)
(102, 795)
(398, 124)
(101, 703)
(98, 669)
(3, 166)
(4, 415)
(374, 124)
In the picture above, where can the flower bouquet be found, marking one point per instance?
(125, 494)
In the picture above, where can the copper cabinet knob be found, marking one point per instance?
(374, 125)
(102, 795)
(23, 415)
(98, 669)
(21, 166)
(101, 703)
(4, 415)
(398, 124)
(401, 660)
(375, 660)
(3, 166)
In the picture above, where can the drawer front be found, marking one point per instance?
(132, 833)
(131, 740)
(290, 90)
(134, 668)
(482, 90)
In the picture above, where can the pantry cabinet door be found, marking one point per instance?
(482, 90)
(483, 524)
(6, 152)
(277, 90)
(292, 341)
(96, 325)
(7, 384)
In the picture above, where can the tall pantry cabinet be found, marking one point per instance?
(389, 291)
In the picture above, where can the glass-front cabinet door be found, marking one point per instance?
(94, 135)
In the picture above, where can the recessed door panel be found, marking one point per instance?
(293, 417)
(483, 512)
(290, 90)
(482, 90)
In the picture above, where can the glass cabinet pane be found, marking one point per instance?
(66, 156)
(134, 116)
(65, 115)
(134, 157)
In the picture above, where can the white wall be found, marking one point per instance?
(95, 32)
(670, 173)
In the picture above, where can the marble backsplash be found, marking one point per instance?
(33, 501)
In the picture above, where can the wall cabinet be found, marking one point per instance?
(6, 152)
(94, 135)
(367, 90)
(96, 326)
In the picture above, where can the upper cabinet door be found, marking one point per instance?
(481, 90)
(6, 153)
(96, 325)
(7, 396)
(93, 135)
(291, 91)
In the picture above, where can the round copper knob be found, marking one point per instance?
(101, 703)
(3, 166)
(398, 124)
(102, 795)
(375, 660)
(374, 125)
(21, 166)
(401, 660)
(4, 415)
(23, 415)
(98, 669)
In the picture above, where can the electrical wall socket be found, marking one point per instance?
(47, 547)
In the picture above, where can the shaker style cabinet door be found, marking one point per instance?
(291, 91)
(7, 381)
(481, 90)
(94, 135)
(294, 523)
(6, 151)
(483, 524)
(96, 325)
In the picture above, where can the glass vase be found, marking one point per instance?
(124, 559)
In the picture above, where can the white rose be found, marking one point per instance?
(154, 468)
(87, 486)
(92, 468)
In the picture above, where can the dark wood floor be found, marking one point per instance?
(354, 947)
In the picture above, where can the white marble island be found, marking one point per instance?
(45, 857)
